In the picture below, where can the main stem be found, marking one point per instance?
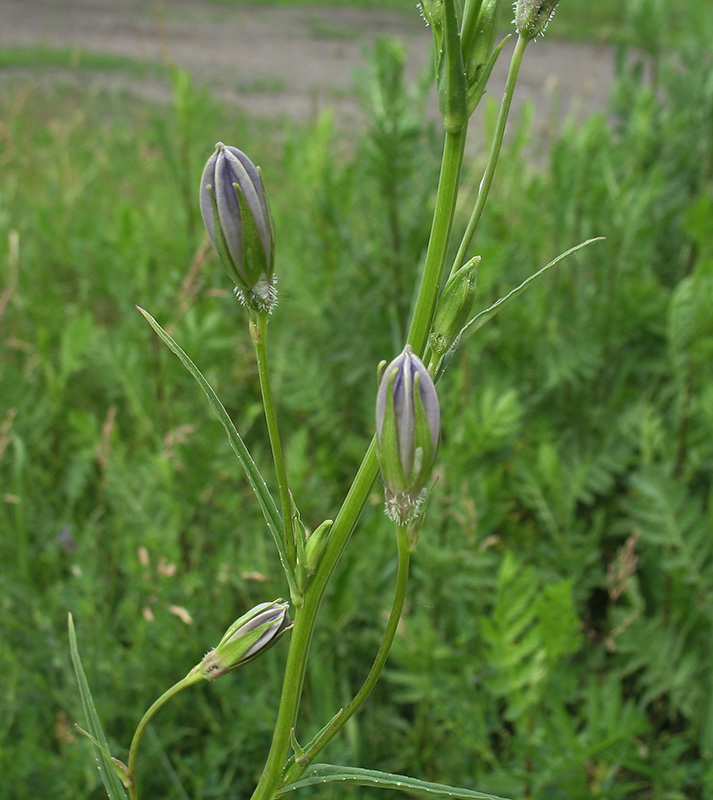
(258, 331)
(293, 681)
(346, 519)
(439, 240)
(314, 748)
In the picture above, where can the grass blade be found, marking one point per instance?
(327, 773)
(107, 769)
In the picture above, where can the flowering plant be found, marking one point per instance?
(236, 213)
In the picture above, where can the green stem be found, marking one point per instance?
(494, 153)
(305, 618)
(349, 513)
(258, 331)
(300, 639)
(189, 680)
(439, 240)
(314, 748)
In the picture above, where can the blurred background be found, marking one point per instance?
(558, 634)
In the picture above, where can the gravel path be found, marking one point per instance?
(275, 61)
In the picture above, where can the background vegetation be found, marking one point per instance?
(558, 638)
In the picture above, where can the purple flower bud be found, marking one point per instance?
(237, 217)
(408, 423)
(248, 637)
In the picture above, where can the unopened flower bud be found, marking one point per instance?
(247, 638)
(237, 217)
(408, 423)
(478, 36)
(454, 308)
(316, 544)
(532, 16)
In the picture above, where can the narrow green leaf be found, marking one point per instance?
(119, 766)
(266, 500)
(327, 773)
(487, 314)
(107, 769)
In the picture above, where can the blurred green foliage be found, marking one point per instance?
(558, 636)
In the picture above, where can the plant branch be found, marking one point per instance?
(350, 511)
(317, 744)
(446, 196)
(258, 331)
(189, 680)
(494, 153)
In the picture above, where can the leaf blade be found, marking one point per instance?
(107, 770)
(487, 314)
(328, 773)
(257, 482)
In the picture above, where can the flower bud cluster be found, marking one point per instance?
(237, 217)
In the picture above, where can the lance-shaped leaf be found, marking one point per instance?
(265, 499)
(326, 773)
(108, 769)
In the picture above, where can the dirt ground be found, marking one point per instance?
(276, 61)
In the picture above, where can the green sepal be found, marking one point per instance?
(271, 221)
(255, 262)
(316, 545)
(476, 90)
(221, 245)
(469, 26)
(231, 654)
(478, 40)
(389, 457)
(450, 79)
(432, 11)
(300, 540)
(533, 16)
(454, 307)
(424, 448)
(236, 644)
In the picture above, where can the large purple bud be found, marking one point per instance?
(408, 424)
(237, 217)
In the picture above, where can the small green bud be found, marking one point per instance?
(316, 543)
(532, 16)
(478, 38)
(450, 73)
(237, 217)
(408, 424)
(454, 308)
(248, 637)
